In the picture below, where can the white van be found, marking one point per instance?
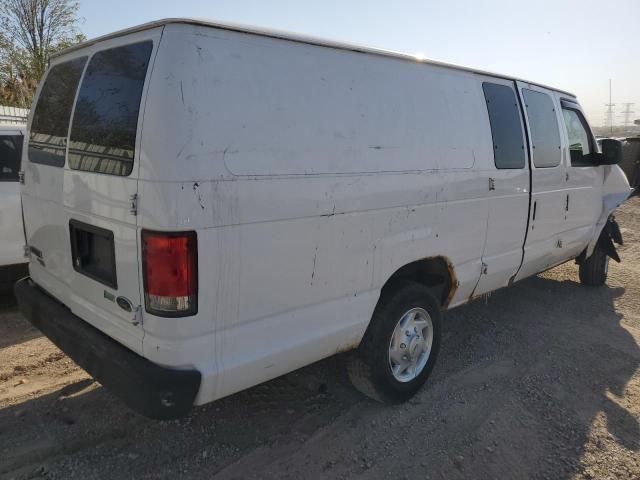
(210, 206)
(13, 262)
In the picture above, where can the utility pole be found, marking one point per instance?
(609, 112)
(627, 113)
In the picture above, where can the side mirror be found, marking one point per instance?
(611, 152)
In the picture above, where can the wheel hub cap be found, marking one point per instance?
(410, 344)
(415, 346)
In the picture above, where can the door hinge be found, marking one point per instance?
(27, 251)
(133, 210)
(484, 268)
(492, 184)
(21, 176)
(559, 244)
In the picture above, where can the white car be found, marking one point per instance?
(209, 206)
(13, 262)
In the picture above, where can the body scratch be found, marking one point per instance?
(315, 258)
(196, 189)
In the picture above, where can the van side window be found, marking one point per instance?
(10, 153)
(103, 132)
(50, 125)
(543, 124)
(506, 127)
(579, 142)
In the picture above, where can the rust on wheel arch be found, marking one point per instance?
(453, 287)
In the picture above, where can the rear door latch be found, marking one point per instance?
(137, 316)
(133, 210)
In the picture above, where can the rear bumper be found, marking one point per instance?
(9, 274)
(150, 389)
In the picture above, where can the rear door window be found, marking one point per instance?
(103, 132)
(50, 125)
(506, 126)
(10, 153)
(543, 124)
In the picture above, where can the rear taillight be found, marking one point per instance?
(170, 273)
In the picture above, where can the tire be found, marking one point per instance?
(593, 271)
(370, 368)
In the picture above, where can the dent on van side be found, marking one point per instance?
(208, 207)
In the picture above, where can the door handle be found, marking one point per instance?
(535, 207)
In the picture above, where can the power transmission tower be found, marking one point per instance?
(608, 119)
(626, 113)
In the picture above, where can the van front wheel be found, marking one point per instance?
(400, 346)
(593, 271)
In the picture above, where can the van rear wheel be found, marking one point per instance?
(593, 271)
(400, 346)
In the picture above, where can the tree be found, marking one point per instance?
(30, 32)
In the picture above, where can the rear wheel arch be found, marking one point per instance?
(437, 273)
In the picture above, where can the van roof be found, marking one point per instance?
(299, 38)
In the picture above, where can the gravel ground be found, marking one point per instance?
(540, 380)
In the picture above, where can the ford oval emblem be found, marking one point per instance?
(124, 304)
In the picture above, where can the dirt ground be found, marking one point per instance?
(540, 380)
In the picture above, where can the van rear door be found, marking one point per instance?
(84, 244)
(43, 164)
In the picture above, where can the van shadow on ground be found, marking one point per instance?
(520, 380)
(548, 356)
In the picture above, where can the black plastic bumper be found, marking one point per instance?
(9, 274)
(150, 389)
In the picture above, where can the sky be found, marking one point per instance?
(574, 45)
